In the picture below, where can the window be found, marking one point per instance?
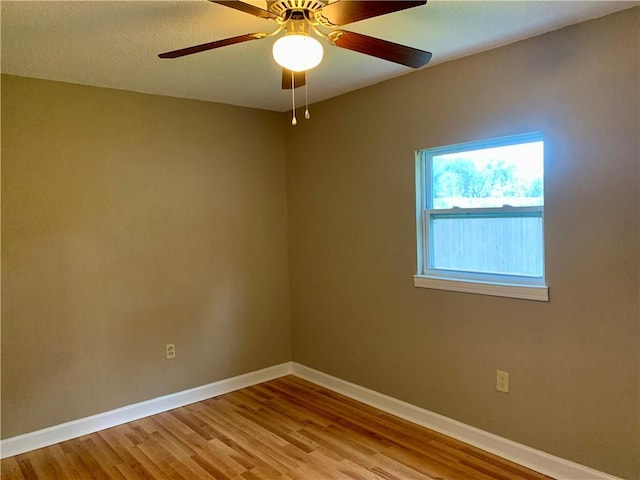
(480, 217)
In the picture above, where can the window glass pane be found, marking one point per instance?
(489, 177)
(507, 245)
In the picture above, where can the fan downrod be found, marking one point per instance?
(281, 7)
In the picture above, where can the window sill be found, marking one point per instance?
(527, 292)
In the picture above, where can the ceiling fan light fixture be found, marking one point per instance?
(297, 52)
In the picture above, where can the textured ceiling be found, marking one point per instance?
(115, 44)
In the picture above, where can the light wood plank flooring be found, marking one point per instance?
(283, 429)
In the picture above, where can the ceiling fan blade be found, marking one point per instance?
(376, 47)
(299, 79)
(247, 8)
(211, 45)
(343, 12)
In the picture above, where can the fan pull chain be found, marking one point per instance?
(294, 122)
(307, 115)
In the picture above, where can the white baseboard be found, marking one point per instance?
(537, 460)
(83, 426)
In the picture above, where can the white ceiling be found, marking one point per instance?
(115, 44)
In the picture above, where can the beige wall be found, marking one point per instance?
(130, 221)
(574, 361)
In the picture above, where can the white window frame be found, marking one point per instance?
(514, 286)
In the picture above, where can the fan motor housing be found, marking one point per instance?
(281, 7)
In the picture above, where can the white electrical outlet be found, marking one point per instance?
(502, 381)
(170, 349)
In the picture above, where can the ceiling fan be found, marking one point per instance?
(299, 17)
(297, 51)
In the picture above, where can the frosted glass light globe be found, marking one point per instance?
(297, 52)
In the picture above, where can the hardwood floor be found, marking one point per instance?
(287, 428)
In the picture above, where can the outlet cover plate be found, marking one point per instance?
(502, 381)
(170, 350)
